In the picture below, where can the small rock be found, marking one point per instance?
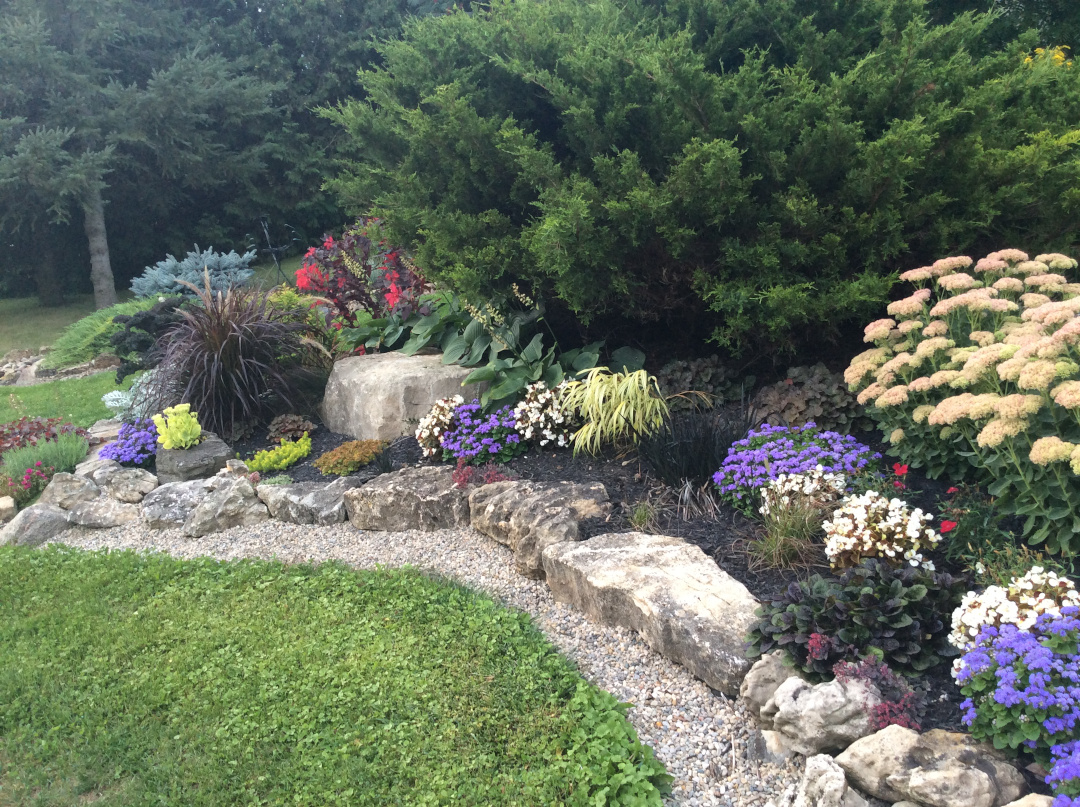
(7, 509)
(197, 462)
(130, 485)
(764, 678)
(67, 490)
(815, 719)
(34, 525)
(233, 504)
(87, 468)
(824, 785)
(1031, 800)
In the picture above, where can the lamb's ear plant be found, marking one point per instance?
(616, 408)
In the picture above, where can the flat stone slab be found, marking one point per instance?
(530, 516)
(383, 395)
(197, 462)
(321, 503)
(169, 505)
(686, 607)
(409, 499)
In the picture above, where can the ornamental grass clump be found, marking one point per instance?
(135, 446)
(1021, 603)
(1022, 690)
(478, 438)
(979, 370)
(616, 408)
(869, 525)
(766, 453)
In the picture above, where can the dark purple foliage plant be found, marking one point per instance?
(236, 358)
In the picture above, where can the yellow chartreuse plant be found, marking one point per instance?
(285, 455)
(615, 407)
(178, 427)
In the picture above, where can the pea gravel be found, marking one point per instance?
(702, 737)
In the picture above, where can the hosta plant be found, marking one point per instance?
(1020, 603)
(769, 451)
(284, 456)
(1022, 694)
(869, 525)
(978, 373)
(895, 614)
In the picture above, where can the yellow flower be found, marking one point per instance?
(897, 436)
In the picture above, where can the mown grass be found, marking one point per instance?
(25, 325)
(132, 680)
(76, 400)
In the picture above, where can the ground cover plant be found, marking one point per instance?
(283, 456)
(144, 678)
(978, 376)
(349, 457)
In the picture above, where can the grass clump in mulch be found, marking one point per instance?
(144, 679)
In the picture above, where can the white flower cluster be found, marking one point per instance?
(436, 423)
(814, 488)
(1037, 592)
(871, 526)
(540, 417)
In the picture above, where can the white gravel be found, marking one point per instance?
(700, 736)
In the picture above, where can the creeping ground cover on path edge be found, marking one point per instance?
(130, 679)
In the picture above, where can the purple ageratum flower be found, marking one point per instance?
(769, 451)
(480, 438)
(135, 445)
(1035, 674)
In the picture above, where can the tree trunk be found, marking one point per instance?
(100, 267)
(50, 292)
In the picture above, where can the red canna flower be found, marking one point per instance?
(947, 526)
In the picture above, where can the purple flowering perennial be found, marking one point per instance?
(773, 450)
(1016, 681)
(136, 444)
(480, 438)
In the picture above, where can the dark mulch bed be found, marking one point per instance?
(723, 536)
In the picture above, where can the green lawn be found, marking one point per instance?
(27, 326)
(76, 400)
(134, 680)
(267, 276)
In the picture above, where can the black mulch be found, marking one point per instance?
(722, 536)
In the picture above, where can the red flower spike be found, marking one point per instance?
(947, 526)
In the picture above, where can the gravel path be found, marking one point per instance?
(700, 736)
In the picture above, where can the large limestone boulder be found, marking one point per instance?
(103, 512)
(678, 599)
(319, 503)
(937, 769)
(129, 484)
(34, 525)
(529, 517)
(197, 462)
(231, 503)
(67, 490)
(764, 678)
(381, 396)
(409, 499)
(821, 718)
(168, 506)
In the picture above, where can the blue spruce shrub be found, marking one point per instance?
(163, 278)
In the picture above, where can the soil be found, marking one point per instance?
(723, 534)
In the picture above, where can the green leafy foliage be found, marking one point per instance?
(277, 479)
(284, 456)
(349, 457)
(899, 615)
(208, 683)
(91, 336)
(810, 395)
(708, 375)
(759, 165)
(61, 454)
(178, 427)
